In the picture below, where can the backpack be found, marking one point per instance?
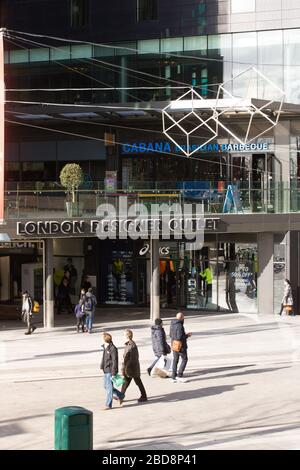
(79, 311)
(36, 307)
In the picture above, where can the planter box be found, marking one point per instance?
(74, 209)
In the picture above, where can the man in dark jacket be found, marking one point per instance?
(159, 342)
(109, 365)
(178, 334)
(131, 366)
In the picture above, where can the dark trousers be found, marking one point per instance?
(28, 321)
(138, 382)
(184, 360)
(81, 322)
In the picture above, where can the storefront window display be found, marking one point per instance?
(120, 278)
(198, 273)
(237, 277)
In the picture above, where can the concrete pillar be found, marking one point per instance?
(155, 280)
(282, 169)
(49, 294)
(292, 266)
(265, 279)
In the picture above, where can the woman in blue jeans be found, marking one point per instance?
(109, 365)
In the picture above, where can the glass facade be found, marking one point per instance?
(201, 61)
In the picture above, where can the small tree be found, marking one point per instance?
(71, 177)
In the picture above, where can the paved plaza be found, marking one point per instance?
(243, 389)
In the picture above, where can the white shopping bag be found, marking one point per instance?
(162, 367)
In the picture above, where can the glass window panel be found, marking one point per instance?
(147, 10)
(172, 45)
(220, 47)
(244, 55)
(292, 47)
(81, 51)
(61, 53)
(270, 51)
(40, 54)
(291, 65)
(126, 48)
(79, 13)
(19, 56)
(196, 43)
(279, 274)
(240, 6)
(148, 46)
(101, 51)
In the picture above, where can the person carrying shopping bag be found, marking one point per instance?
(159, 343)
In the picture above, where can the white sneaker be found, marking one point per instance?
(181, 379)
(174, 381)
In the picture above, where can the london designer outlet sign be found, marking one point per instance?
(52, 228)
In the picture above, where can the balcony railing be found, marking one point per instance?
(56, 203)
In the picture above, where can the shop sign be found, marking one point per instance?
(163, 250)
(166, 147)
(102, 227)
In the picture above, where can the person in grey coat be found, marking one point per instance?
(159, 342)
(131, 366)
(287, 299)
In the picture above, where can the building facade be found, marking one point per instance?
(88, 85)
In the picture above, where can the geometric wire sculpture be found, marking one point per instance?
(252, 110)
(210, 124)
(191, 101)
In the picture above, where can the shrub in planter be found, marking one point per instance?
(71, 177)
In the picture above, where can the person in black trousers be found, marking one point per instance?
(178, 334)
(131, 366)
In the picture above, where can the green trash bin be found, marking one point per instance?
(73, 428)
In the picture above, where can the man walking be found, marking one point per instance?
(109, 365)
(131, 366)
(179, 347)
(27, 305)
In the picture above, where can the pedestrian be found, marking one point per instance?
(159, 342)
(207, 276)
(89, 306)
(70, 268)
(80, 313)
(27, 306)
(63, 297)
(131, 366)
(287, 299)
(179, 347)
(109, 365)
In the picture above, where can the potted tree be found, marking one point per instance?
(71, 177)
